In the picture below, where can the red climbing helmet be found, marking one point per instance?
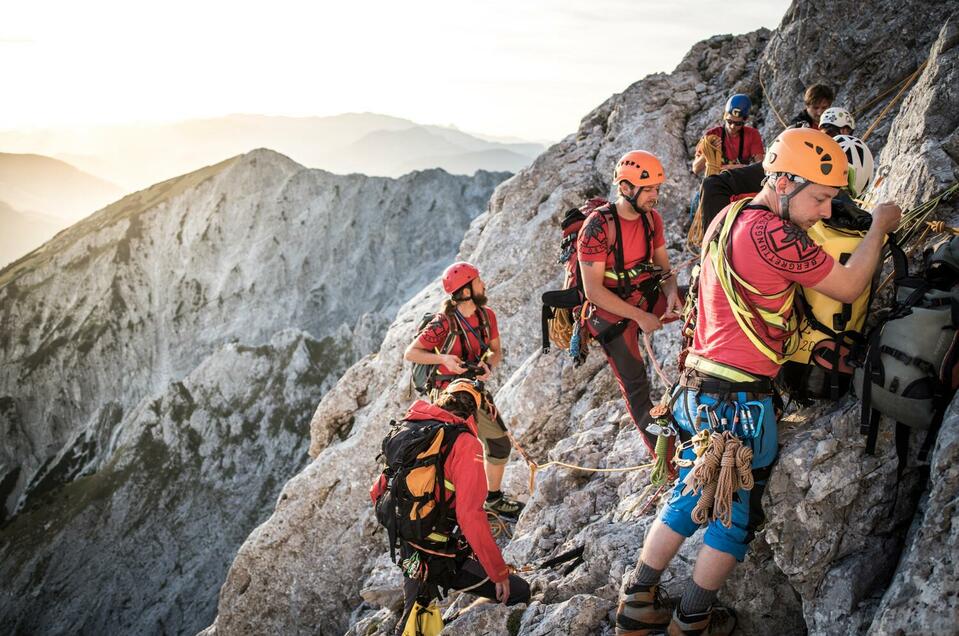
(458, 275)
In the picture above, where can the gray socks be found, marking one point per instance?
(646, 576)
(696, 600)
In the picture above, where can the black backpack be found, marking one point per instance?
(412, 497)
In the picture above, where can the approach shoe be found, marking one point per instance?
(643, 610)
(718, 621)
(504, 507)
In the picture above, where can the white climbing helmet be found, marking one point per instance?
(838, 117)
(861, 164)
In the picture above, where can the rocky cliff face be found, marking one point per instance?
(837, 518)
(160, 361)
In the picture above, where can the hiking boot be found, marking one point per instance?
(718, 621)
(504, 507)
(643, 610)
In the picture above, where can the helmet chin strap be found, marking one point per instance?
(632, 200)
(785, 198)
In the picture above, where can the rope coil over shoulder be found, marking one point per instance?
(751, 317)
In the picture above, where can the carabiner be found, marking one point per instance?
(699, 416)
(755, 424)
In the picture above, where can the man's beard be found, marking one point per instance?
(479, 300)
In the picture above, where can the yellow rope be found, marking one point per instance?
(762, 86)
(498, 526)
(594, 470)
(878, 98)
(709, 148)
(535, 468)
(940, 227)
(916, 217)
(892, 101)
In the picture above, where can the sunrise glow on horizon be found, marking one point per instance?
(530, 70)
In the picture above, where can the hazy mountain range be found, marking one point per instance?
(137, 156)
(39, 196)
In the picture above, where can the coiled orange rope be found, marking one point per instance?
(724, 468)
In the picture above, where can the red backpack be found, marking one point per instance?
(562, 320)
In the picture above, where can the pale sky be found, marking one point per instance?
(528, 68)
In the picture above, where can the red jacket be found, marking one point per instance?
(464, 467)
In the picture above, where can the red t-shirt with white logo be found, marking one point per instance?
(592, 245)
(434, 336)
(769, 254)
(752, 144)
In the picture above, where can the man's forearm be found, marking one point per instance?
(862, 264)
(670, 286)
(422, 356)
(605, 299)
(699, 162)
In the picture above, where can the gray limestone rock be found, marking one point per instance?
(581, 615)
(137, 545)
(924, 594)
(827, 561)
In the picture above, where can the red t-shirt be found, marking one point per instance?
(769, 254)
(434, 335)
(592, 246)
(752, 144)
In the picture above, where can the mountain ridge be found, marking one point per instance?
(137, 156)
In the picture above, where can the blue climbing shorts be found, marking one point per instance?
(747, 514)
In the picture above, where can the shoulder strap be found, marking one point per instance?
(476, 334)
(484, 323)
(451, 335)
(623, 283)
(742, 144)
(899, 261)
(735, 208)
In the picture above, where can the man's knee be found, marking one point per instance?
(497, 449)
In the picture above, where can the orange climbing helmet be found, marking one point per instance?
(640, 168)
(810, 154)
